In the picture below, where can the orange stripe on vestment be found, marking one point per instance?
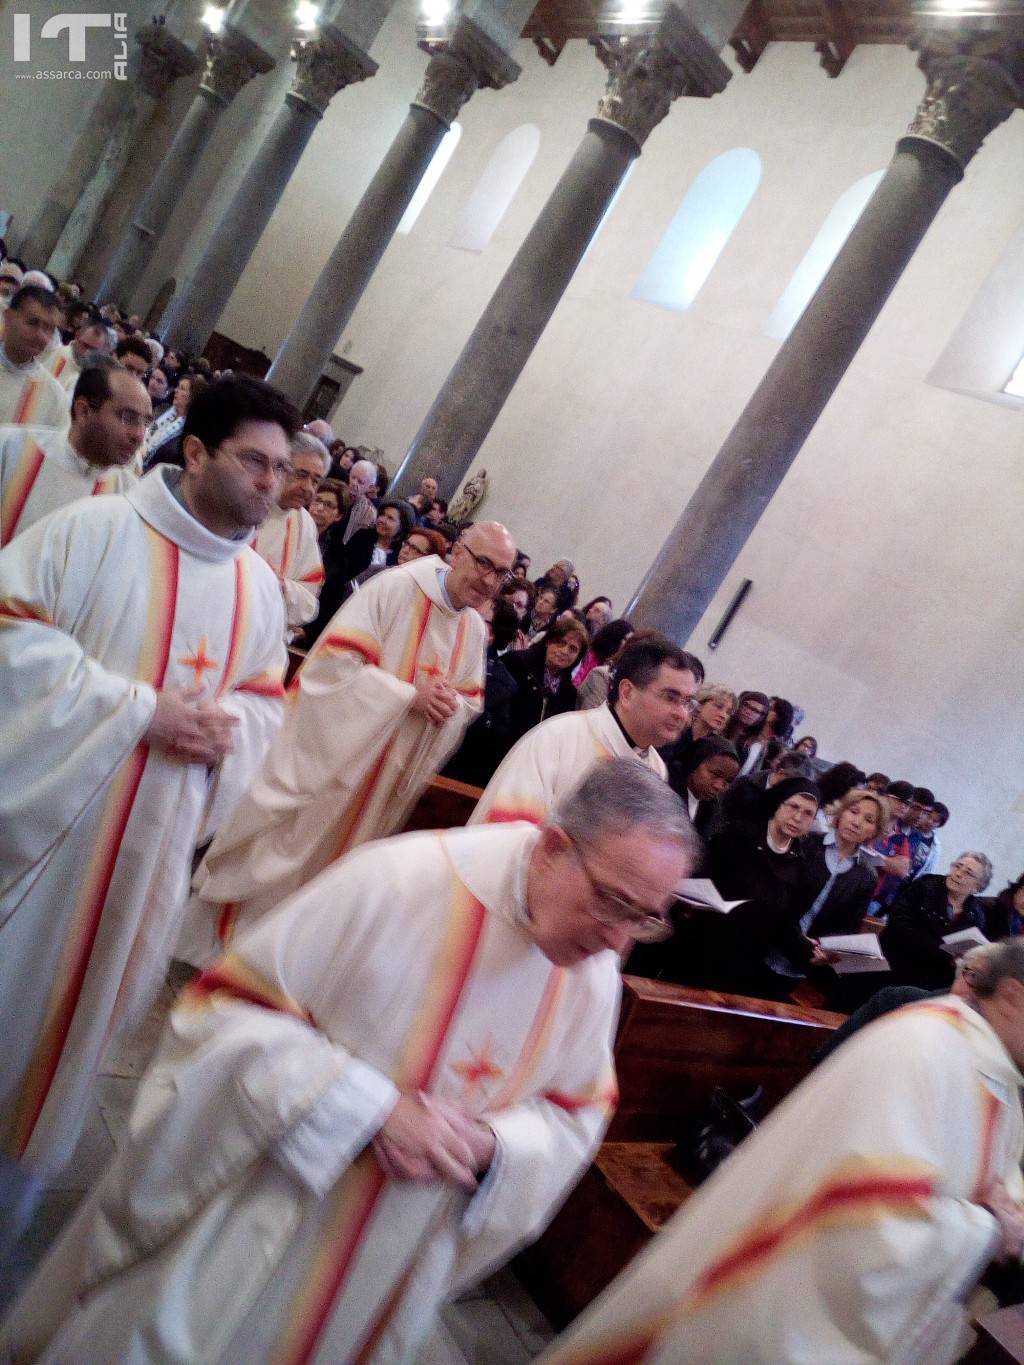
(239, 625)
(858, 1194)
(59, 365)
(226, 921)
(19, 486)
(359, 1191)
(508, 812)
(230, 977)
(13, 609)
(94, 886)
(354, 641)
(314, 576)
(28, 401)
(535, 1044)
(286, 552)
(604, 1097)
(266, 685)
(407, 673)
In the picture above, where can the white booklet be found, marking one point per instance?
(702, 892)
(963, 941)
(854, 953)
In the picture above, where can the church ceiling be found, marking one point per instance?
(834, 27)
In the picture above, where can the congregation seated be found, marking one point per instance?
(489, 738)
(376, 547)
(745, 796)
(559, 578)
(327, 509)
(543, 675)
(925, 911)
(840, 877)
(163, 443)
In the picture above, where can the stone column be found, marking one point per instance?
(325, 65)
(971, 89)
(165, 59)
(647, 71)
(232, 61)
(459, 66)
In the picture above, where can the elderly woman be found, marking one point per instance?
(162, 443)
(544, 675)
(422, 541)
(925, 911)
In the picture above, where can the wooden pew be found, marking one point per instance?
(445, 804)
(673, 1046)
(1000, 1338)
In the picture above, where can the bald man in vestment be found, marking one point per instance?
(381, 703)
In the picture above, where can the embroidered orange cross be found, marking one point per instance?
(433, 669)
(477, 1070)
(199, 662)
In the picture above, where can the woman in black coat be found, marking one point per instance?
(543, 674)
(758, 862)
(1005, 913)
(924, 912)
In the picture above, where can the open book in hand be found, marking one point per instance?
(963, 941)
(702, 892)
(854, 953)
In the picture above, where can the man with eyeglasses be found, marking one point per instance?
(141, 665)
(393, 1081)
(92, 338)
(288, 540)
(648, 707)
(380, 704)
(43, 468)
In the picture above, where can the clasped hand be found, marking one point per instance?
(188, 729)
(435, 699)
(426, 1139)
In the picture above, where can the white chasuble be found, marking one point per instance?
(551, 760)
(101, 605)
(62, 364)
(41, 471)
(351, 758)
(848, 1229)
(30, 396)
(245, 1221)
(288, 542)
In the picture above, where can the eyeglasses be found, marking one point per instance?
(670, 696)
(413, 550)
(488, 568)
(616, 912)
(128, 417)
(257, 463)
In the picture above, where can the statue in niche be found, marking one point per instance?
(473, 493)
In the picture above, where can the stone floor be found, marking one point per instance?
(496, 1324)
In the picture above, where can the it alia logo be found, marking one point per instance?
(76, 26)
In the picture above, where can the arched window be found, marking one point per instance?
(703, 223)
(431, 176)
(496, 188)
(820, 255)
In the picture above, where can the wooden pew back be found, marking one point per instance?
(446, 804)
(675, 1045)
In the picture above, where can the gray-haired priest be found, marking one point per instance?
(387, 1087)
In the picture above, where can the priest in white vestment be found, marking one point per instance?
(850, 1228)
(141, 666)
(647, 708)
(376, 710)
(43, 468)
(65, 363)
(29, 394)
(383, 1091)
(288, 539)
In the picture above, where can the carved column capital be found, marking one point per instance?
(648, 70)
(460, 64)
(971, 90)
(232, 61)
(323, 66)
(165, 58)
